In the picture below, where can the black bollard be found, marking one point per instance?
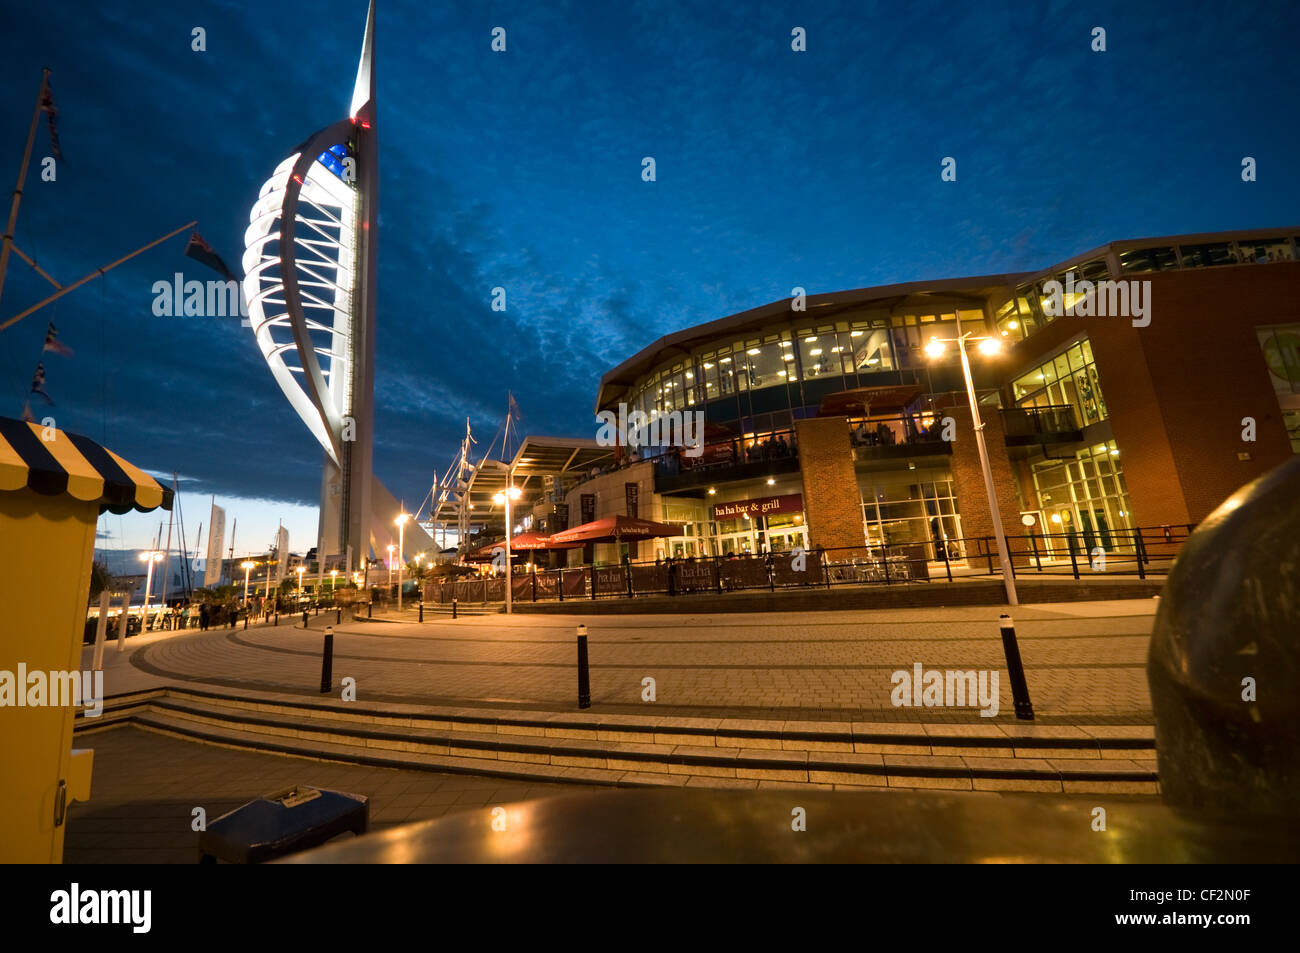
(1015, 669)
(338, 614)
(453, 608)
(277, 616)
(584, 676)
(305, 616)
(421, 610)
(370, 606)
(245, 621)
(327, 661)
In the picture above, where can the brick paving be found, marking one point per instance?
(146, 786)
(1085, 662)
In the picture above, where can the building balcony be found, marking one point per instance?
(1026, 426)
(897, 437)
(727, 461)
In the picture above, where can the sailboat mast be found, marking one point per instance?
(167, 555)
(8, 240)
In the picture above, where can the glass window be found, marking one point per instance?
(766, 366)
(1068, 380)
(726, 372)
(815, 354)
(1094, 270)
(709, 367)
(871, 350)
(1204, 256)
(1264, 250)
(1281, 346)
(1160, 258)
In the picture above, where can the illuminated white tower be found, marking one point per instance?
(310, 280)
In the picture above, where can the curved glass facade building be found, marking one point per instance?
(1106, 407)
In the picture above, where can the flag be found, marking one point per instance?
(201, 251)
(52, 342)
(515, 412)
(38, 384)
(48, 107)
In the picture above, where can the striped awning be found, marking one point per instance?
(52, 462)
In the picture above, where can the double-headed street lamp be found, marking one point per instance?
(401, 553)
(333, 582)
(150, 557)
(505, 496)
(987, 345)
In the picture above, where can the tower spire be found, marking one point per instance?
(363, 93)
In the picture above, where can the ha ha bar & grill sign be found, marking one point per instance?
(767, 506)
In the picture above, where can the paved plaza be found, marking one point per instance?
(1085, 663)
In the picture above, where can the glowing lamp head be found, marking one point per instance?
(402, 518)
(247, 564)
(935, 348)
(990, 346)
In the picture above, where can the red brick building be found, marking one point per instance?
(1137, 384)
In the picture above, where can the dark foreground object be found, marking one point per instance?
(704, 826)
(282, 823)
(1224, 667)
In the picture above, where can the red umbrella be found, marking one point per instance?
(615, 529)
(520, 543)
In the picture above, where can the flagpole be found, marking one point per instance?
(22, 178)
(93, 275)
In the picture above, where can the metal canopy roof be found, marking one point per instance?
(539, 456)
(536, 458)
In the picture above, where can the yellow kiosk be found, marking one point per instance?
(53, 487)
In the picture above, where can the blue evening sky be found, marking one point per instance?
(522, 169)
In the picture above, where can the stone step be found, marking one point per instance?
(509, 747)
(972, 739)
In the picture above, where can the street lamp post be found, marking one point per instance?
(390, 565)
(150, 557)
(505, 496)
(401, 554)
(300, 570)
(334, 582)
(248, 565)
(987, 345)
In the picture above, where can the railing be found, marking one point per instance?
(728, 454)
(1055, 419)
(1130, 552)
(899, 431)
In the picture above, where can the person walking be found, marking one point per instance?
(203, 617)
